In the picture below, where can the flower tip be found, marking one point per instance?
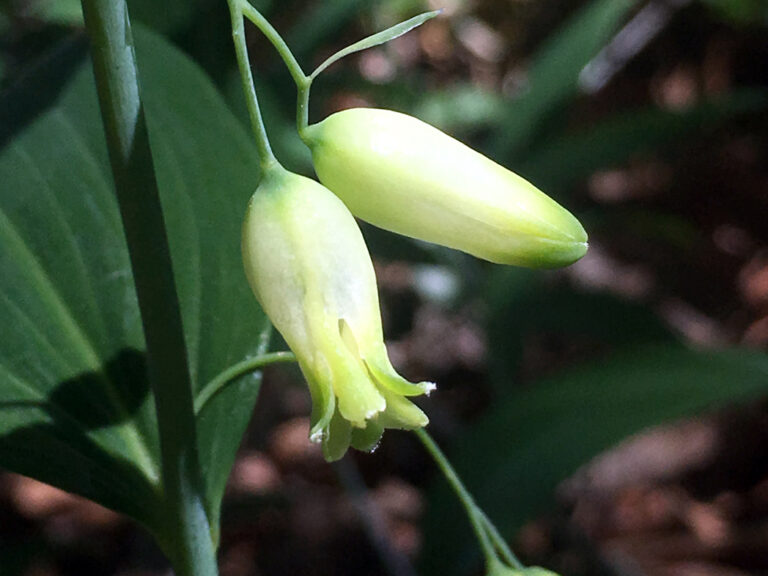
(317, 436)
(576, 252)
(553, 254)
(428, 387)
(565, 244)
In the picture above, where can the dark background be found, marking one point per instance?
(660, 146)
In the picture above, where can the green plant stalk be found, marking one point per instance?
(302, 81)
(481, 525)
(266, 156)
(235, 371)
(501, 544)
(274, 38)
(182, 528)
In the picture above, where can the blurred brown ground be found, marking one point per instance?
(685, 500)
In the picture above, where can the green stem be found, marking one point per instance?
(235, 371)
(302, 107)
(266, 156)
(500, 543)
(302, 81)
(182, 529)
(275, 39)
(474, 513)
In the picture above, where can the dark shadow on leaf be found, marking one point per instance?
(40, 86)
(127, 380)
(63, 445)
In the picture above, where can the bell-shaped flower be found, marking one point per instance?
(310, 270)
(406, 176)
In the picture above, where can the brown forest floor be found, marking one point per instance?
(683, 500)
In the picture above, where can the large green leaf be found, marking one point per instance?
(56, 11)
(76, 407)
(554, 71)
(514, 458)
(172, 16)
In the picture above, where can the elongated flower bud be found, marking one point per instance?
(406, 176)
(308, 265)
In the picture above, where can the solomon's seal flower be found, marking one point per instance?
(406, 176)
(308, 265)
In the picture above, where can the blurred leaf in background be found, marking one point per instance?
(514, 458)
(751, 12)
(614, 140)
(663, 163)
(552, 78)
(67, 12)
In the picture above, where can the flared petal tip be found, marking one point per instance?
(428, 387)
(317, 436)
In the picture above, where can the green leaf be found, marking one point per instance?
(66, 12)
(554, 72)
(562, 162)
(172, 17)
(76, 407)
(376, 39)
(516, 456)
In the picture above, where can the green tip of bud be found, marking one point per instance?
(406, 176)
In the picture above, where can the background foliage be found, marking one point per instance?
(655, 138)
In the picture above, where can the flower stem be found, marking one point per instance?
(487, 534)
(235, 371)
(182, 527)
(302, 81)
(501, 545)
(474, 513)
(266, 156)
(274, 38)
(302, 107)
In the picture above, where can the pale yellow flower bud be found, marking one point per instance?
(404, 175)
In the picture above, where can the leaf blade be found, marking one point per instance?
(376, 39)
(83, 401)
